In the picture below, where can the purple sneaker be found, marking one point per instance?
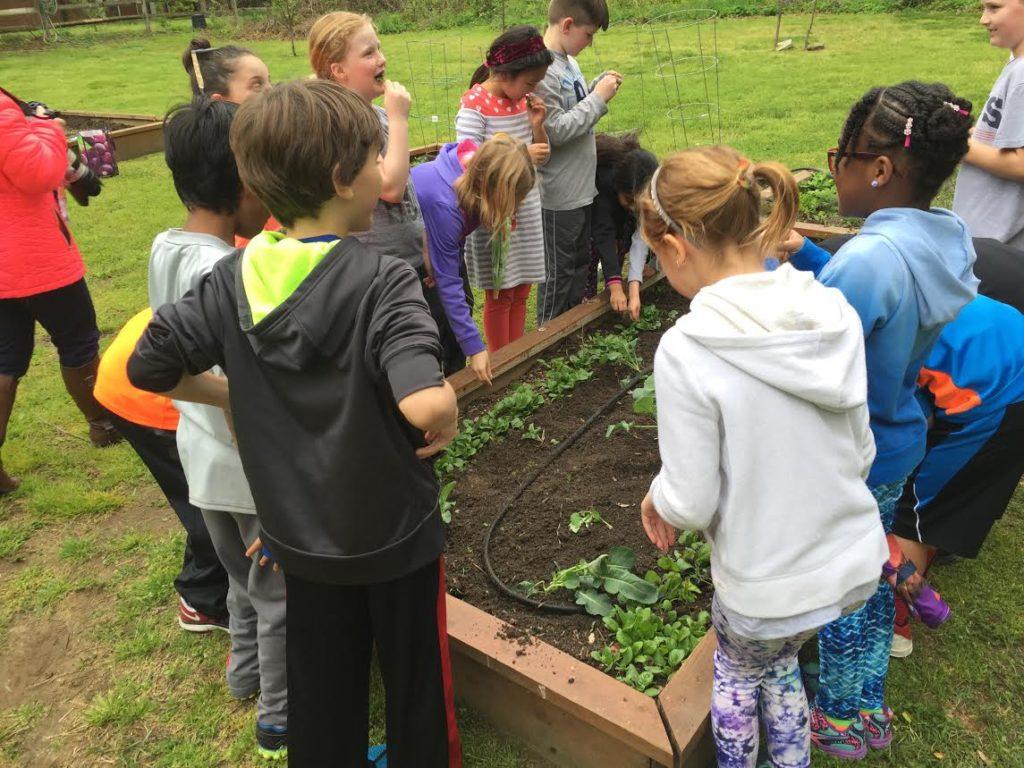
(878, 728)
(845, 742)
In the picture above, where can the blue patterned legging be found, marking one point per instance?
(854, 650)
(748, 672)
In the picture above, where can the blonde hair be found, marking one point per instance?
(712, 197)
(329, 38)
(496, 181)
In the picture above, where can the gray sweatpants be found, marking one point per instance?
(256, 607)
(566, 262)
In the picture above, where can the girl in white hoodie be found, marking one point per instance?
(764, 439)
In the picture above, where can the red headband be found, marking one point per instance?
(510, 52)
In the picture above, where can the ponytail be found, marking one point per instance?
(712, 196)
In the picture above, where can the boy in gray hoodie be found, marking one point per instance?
(567, 179)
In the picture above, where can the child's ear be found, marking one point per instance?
(338, 73)
(882, 171)
(216, 97)
(341, 189)
(566, 25)
(676, 248)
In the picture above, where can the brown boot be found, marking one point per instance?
(79, 383)
(8, 389)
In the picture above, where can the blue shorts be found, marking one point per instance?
(69, 318)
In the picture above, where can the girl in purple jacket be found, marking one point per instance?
(465, 187)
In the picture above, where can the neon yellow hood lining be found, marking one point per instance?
(273, 266)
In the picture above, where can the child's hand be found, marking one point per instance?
(794, 242)
(536, 110)
(438, 441)
(397, 101)
(634, 300)
(617, 297)
(539, 153)
(481, 365)
(661, 534)
(608, 86)
(265, 556)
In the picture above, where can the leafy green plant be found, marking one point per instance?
(532, 432)
(445, 502)
(608, 576)
(562, 376)
(649, 320)
(586, 518)
(623, 426)
(644, 401)
(649, 646)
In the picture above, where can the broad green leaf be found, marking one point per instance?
(595, 603)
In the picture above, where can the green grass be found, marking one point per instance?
(92, 522)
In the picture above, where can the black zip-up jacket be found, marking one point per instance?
(314, 386)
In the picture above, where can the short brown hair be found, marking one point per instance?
(712, 197)
(593, 12)
(329, 38)
(497, 179)
(293, 141)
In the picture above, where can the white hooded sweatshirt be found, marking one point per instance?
(765, 443)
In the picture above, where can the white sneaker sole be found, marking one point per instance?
(202, 627)
(901, 647)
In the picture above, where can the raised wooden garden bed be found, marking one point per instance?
(134, 135)
(545, 690)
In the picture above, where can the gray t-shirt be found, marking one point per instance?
(567, 179)
(991, 206)
(397, 227)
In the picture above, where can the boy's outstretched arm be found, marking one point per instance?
(180, 341)
(435, 412)
(403, 346)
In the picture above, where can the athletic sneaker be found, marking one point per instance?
(192, 620)
(901, 647)
(377, 756)
(878, 728)
(272, 741)
(845, 742)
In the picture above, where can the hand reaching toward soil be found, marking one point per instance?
(617, 297)
(662, 535)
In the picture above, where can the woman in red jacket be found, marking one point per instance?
(41, 271)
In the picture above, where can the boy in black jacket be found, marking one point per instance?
(337, 396)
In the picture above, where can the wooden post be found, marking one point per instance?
(234, 10)
(778, 24)
(145, 16)
(202, 7)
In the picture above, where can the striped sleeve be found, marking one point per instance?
(470, 124)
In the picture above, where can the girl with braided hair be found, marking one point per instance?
(908, 273)
(506, 262)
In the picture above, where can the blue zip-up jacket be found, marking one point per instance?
(908, 273)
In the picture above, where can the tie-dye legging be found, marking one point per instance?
(854, 650)
(749, 672)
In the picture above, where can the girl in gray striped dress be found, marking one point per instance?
(508, 262)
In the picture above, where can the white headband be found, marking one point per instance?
(657, 205)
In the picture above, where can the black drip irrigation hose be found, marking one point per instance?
(530, 480)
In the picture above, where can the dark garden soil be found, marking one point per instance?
(76, 124)
(611, 475)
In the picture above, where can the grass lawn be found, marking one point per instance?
(98, 672)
